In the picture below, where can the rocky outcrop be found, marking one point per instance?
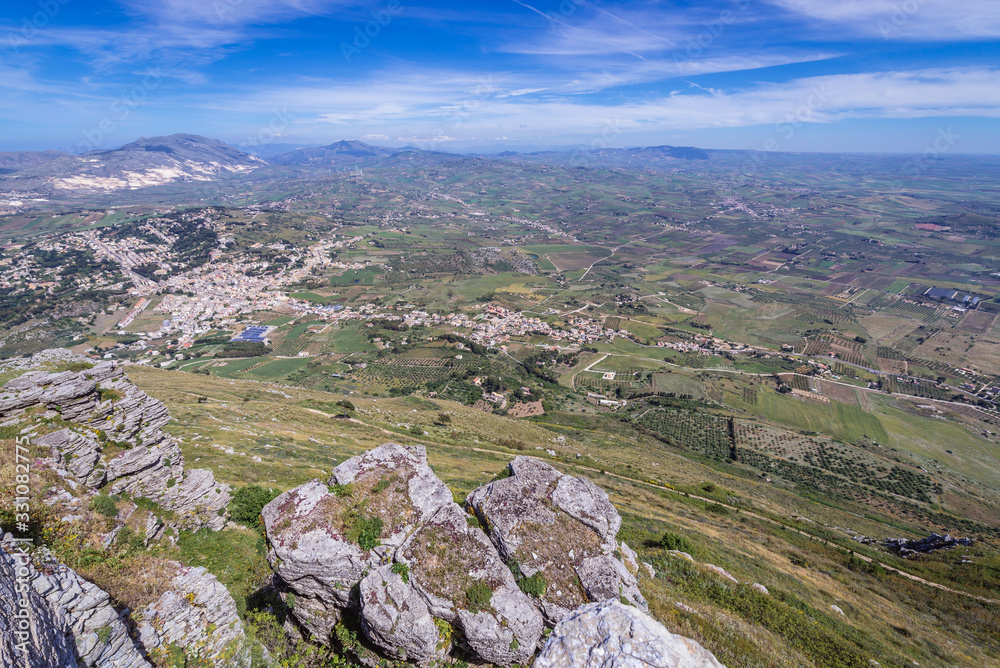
(609, 634)
(562, 531)
(115, 440)
(911, 548)
(33, 634)
(447, 558)
(198, 615)
(99, 635)
(73, 620)
(388, 526)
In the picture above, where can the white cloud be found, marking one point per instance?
(412, 108)
(932, 20)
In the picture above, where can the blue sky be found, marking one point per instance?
(790, 75)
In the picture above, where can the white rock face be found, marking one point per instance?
(610, 634)
(44, 639)
(422, 533)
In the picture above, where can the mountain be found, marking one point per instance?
(268, 151)
(14, 161)
(145, 162)
(681, 152)
(335, 154)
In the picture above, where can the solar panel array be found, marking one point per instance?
(253, 334)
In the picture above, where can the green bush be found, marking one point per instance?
(341, 490)
(402, 570)
(105, 505)
(478, 596)
(672, 541)
(534, 586)
(107, 394)
(505, 472)
(366, 532)
(248, 501)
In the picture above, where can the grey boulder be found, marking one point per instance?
(609, 634)
(565, 528)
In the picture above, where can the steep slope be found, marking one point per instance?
(145, 162)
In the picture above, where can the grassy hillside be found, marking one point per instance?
(759, 532)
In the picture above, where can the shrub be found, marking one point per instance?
(248, 501)
(105, 505)
(505, 472)
(341, 490)
(171, 482)
(402, 570)
(107, 394)
(104, 634)
(534, 585)
(366, 532)
(478, 596)
(672, 541)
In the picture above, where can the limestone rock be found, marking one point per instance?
(199, 615)
(100, 635)
(79, 453)
(312, 557)
(46, 639)
(564, 527)
(609, 634)
(395, 618)
(446, 557)
(105, 406)
(722, 572)
(323, 541)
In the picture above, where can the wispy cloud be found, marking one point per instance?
(929, 20)
(414, 103)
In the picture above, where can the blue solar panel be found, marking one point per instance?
(252, 334)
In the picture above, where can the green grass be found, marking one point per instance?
(279, 368)
(356, 277)
(843, 422)
(235, 556)
(310, 297)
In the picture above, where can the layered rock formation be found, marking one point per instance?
(31, 634)
(199, 615)
(98, 635)
(609, 634)
(74, 622)
(563, 528)
(388, 526)
(115, 439)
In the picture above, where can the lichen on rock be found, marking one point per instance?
(564, 528)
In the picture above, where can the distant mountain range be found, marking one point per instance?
(157, 161)
(17, 160)
(145, 162)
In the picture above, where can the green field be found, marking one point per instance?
(843, 422)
